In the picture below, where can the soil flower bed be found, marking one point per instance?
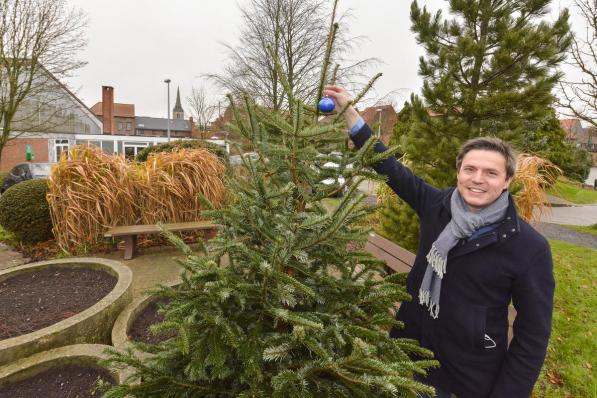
(65, 381)
(34, 300)
(139, 330)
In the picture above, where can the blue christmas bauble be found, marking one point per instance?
(326, 104)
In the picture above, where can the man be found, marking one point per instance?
(475, 256)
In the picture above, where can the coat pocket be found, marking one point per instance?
(463, 324)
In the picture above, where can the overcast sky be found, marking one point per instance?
(135, 44)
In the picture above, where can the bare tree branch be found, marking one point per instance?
(296, 30)
(39, 41)
(578, 98)
(201, 108)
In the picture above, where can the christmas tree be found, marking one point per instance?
(284, 303)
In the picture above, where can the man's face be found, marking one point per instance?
(482, 178)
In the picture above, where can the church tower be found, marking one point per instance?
(178, 112)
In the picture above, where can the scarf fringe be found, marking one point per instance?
(425, 299)
(437, 262)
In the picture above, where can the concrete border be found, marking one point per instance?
(122, 325)
(92, 325)
(78, 354)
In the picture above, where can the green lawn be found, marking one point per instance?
(591, 229)
(573, 193)
(568, 369)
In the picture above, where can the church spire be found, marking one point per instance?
(178, 112)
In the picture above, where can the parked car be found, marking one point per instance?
(25, 171)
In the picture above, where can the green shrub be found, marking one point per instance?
(3, 175)
(219, 151)
(24, 211)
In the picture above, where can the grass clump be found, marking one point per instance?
(573, 192)
(568, 369)
(533, 175)
(91, 191)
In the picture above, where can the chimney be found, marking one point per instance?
(108, 109)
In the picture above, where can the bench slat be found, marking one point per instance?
(396, 264)
(153, 228)
(392, 249)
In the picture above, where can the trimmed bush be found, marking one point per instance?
(24, 211)
(188, 144)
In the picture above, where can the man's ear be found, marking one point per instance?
(507, 182)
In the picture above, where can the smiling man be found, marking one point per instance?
(475, 257)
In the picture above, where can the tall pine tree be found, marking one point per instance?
(279, 306)
(489, 69)
(398, 221)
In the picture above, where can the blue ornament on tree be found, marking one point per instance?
(326, 104)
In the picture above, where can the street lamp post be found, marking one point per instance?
(167, 81)
(379, 125)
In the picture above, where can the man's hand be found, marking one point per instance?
(342, 98)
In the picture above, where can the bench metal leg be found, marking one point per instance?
(130, 246)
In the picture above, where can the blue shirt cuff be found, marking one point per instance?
(357, 126)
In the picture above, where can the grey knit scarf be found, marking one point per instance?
(462, 225)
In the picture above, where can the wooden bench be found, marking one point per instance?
(398, 259)
(130, 232)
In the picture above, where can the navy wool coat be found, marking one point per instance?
(511, 263)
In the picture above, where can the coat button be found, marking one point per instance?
(477, 245)
(504, 236)
(513, 229)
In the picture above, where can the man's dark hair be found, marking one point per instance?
(490, 144)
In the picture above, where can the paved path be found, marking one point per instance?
(10, 258)
(153, 266)
(559, 232)
(573, 215)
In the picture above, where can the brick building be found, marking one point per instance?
(584, 137)
(382, 120)
(58, 124)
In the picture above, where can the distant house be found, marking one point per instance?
(382, 120)
(128, 134)
(56, 126)
(583, 137)
(573, 129)
(118, 119)
(588, 140)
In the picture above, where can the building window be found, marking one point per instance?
(128, 126)
(119, 126)
(131, 149)
(59, 147)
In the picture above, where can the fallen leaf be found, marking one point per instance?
(555, 378)
(589, 333)
(588, 365)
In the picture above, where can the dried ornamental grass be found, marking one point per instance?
(88, 192)
(533, 176)
(91, 191)
(169, 183)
